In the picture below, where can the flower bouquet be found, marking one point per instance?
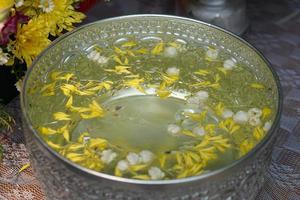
(28, 26)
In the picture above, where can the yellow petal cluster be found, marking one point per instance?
(31, 39)
(61, 17)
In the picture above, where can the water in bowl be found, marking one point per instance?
(152, 108)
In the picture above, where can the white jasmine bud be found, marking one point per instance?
(155, 173)
(173, 129)
(241, 117)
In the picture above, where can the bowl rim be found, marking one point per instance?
(202, 177)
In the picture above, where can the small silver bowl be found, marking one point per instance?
(62, 179)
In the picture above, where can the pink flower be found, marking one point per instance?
(10, 27)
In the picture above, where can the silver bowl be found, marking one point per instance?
(62, 179)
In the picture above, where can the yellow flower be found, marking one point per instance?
(31, 39)
(59, 14)
(5, 4)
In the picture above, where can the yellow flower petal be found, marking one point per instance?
(95, 110)
(138, 167)
(6, 4)
(245, 147)
(202, 72)
(163, 93)
(257, 86)
(174, 44)
(135, 83)
(258, 133)
(142, 51)
(54, 146)
(81, 137)
(119, 61)
(69, 102)
(47, 131)
(61, 116)
(219, 109)
(79, 109)
(210, 128)
(119, 51)
(120, 69)
(49, 89)
(129, 44)
(24, 167)
(142, 177)
(158, 48)
(68, 89)
(199, 117)
(118, 172)
(266, 112)
(75, 147)
(76, 157)
(66, 135)
(188, 133)
(202, 84)
(162, 160)
(54, 75)
(97, 143)
(66, 77)
(223, 70)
